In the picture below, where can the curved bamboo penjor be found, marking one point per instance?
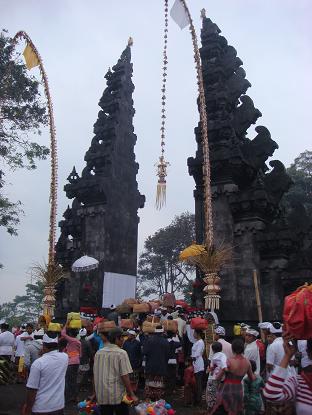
(50, 273)
(210, 258)
(53, 145)
(204, 133)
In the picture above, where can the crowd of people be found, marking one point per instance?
(260, 371)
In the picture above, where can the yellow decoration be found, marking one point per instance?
(75, 324)
(73, 316)
(192, 250)
(30, 56)
(56, 327)
(237, 330)
(21, 364)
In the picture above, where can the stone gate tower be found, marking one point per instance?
(246, 193)
(103, 219)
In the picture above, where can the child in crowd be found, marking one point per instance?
(217, 366)
(252, 393)
(189, 383)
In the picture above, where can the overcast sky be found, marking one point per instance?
(78, 40)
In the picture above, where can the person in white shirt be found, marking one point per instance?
(28, 336)
(251, 348)
(181, 324)
(198, 349)
(19, 347)
(46, 381)
(275, 350)
(164, 313)
(226, 346)
(34, 348)
(19, 353)
(217, 365)
(6, 342)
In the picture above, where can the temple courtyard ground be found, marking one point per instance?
(12, 398)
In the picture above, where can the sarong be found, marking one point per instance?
(211, 393)
(279, 408)
(154, 387)
(230, 396)
(134, 379)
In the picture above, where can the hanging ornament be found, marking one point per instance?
(212, 290)
(162, 164)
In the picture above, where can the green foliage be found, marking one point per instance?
(301, 191)
(22, 115)
(160, 270)
(9, 214)
(24, 308)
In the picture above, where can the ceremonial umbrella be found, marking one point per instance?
(85, 263)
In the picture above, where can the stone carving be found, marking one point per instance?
(277, 181)
(258, 150)
(245, 115)
(250, 216)
(103, 220)
(237, 85)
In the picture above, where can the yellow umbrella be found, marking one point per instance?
(191, 251)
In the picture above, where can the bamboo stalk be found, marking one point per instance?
(204, 133)
(258, 299)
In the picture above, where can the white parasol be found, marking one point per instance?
(85, 263)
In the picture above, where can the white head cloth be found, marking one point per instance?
(252, 332)
(220, 330)
(47, 339)
(265, 325)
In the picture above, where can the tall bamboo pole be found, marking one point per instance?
(208, 235)
(53, 147)
(51, 273)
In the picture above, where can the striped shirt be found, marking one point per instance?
(110, 363)
(282, 387)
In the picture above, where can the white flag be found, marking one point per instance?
(179, 14)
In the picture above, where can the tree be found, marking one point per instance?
(22, 113)
(24, 308)
(300, 192)
(160, 270)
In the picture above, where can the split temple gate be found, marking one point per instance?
(103, 219)
(247, 196)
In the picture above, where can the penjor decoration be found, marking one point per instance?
(208, 258)
(51, 272)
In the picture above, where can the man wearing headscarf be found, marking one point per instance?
(33, 349)
(251, 348)
(46, 382)
(226, 346)
(157, 351)
(113, 315)
(86, 355)
(275, 350)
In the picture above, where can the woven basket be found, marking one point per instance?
(106, 326)
(141, 308)
(124, 309)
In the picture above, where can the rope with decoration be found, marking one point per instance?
(162, 165)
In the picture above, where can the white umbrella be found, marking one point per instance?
(85, 263)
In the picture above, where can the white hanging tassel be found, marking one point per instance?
(212, 302)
